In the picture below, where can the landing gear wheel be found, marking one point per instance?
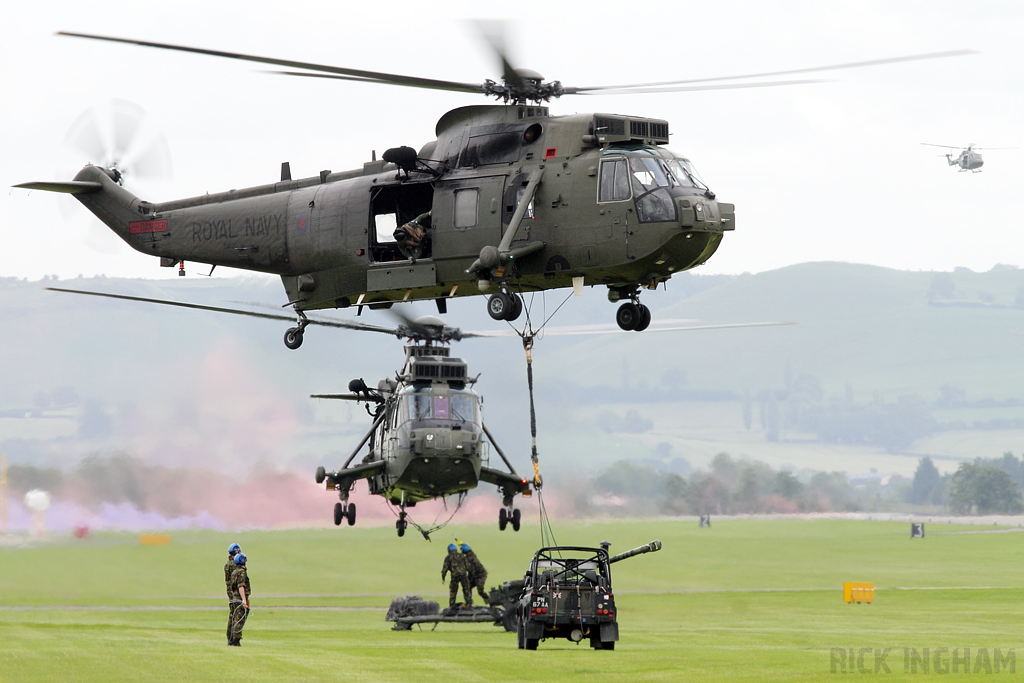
(645, 318)
(339, 512)
(531, 643)
(293, 338)
(628, 316)
(517, 308)
(321, 474)
(500, 306)
(502, 519)
(351, 514)
(515, 519)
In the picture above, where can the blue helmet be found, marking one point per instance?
(465, 547)
(452, 547)
(240, 558)
(234, 548)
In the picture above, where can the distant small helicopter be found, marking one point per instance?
(968, 159)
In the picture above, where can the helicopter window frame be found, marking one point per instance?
(611, 184)
(467, 207)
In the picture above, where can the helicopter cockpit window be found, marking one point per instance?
(614, 185)
(463, 408)
(653, 202)
(420, 407)
(685, 173)
(456, 407)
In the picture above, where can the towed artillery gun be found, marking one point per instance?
(568, 594)
(500, 610)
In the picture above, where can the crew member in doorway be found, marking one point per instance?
(413, 238)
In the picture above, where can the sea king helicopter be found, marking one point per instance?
(428, 438)
(508, 198)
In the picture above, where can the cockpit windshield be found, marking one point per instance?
(424, 405)
(685, 173)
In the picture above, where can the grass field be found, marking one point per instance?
(744, 600)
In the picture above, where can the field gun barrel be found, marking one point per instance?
(651, 547)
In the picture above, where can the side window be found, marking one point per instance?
(614, 185)
(385, 224)
(466, 207)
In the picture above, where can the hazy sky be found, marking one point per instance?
(828, 171)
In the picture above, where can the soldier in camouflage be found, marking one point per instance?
(477, 571)
(413, 237)
(229, 568)
(239, 593)
(456, 564)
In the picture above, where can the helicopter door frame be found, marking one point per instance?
(612, 203)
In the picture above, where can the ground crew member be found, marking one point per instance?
(477, 571)
(456, 564)
(413, 240)
(239, 603)
(229, 568)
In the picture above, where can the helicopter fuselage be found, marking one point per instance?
(330, 237)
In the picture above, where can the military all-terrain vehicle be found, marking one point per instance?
(568, 594)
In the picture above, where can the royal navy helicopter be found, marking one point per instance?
(511, 199)
(428, 439)
(969, 158)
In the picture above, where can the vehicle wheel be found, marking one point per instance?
(520, 635)
(321, 474)
(645, 318)
(628, 316)
(515, 519)
(338, 514)
(293, 338)
(510, 619)
(517, 308)
(400, 525)
(502, 519)
(351, 514)
(608, 645)
(500, 306)
(531, 643)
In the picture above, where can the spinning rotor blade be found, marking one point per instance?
(347, 74)
(331, 322)
(929, 144)
(515, 85)
(346, 397)
(494, 33)
(769, 74)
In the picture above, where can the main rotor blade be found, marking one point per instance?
(234, 311)
(373, 76)
(694, 88)
(929, 144)
(346, 397)
(590, 330)
(449, 86)
(766, 74)
(493, 31)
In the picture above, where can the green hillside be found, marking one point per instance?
(182, 387)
